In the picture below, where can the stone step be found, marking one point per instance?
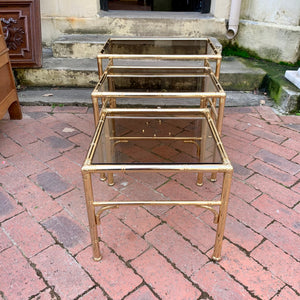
(82, 97)
(83, 72)
(78, 45)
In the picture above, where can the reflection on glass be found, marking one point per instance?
(158, 80)
(159, 47)
(147, 138)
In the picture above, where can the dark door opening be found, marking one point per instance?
(202, 6)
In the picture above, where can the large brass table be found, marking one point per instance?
(169, 50)
(119, 135)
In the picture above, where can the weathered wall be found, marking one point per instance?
(268, 27)
(284, 12)
(271, 28)
(69, 8)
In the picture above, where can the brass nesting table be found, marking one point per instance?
(180, 51)
(156, 83)
(121, 132)
(161, 121)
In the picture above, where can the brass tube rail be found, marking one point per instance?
(151, 202)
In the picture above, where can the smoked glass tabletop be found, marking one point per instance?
(147, 81)
(155, 137)
(158, 46)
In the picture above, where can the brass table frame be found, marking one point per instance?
(207, 98)
(89, 168)
(106, 53)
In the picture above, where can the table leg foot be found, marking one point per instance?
(110, 179)
(102, 177)
(97, 258)
(200, 179)
(216, 258)
(213, 177)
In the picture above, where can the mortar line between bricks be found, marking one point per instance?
(17, 214)
(289, 254)
(65, 209)
(275, 167)
(7, 136)
(143, 283)
(161, 223)
(279, 291)
(294, 205)
(142, 236)
(252, 229)
(250, 203)
(266, 269)
(70, 254)
(164, 183)
(275, 182)
(85, 292)
(127, 263)
(196, 192)
(298, 181)
(259, 244)
(93, 280)
(64, 193)
(38, 272)
(152, 229)
(186, 239)
(2, 295)
(234, 278)
(41, 291)
(182, 273)
(250, 226)
(57, 242)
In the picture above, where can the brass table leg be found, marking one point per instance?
(89, 197)
(222, 215)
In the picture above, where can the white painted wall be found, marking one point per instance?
(220, 8)
(285, 12)
(70, 8)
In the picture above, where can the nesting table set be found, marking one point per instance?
(161, 134)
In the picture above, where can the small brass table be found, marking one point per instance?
(171, 50)
(119, 131)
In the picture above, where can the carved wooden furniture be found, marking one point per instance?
(22, 31)
(8, 95)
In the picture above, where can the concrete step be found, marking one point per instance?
(78, 45)
(82, 97)
(83, 72)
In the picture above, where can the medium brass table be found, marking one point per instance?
(161, 86)
(169, 50)
(119, 131)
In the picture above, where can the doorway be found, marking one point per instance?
(202, 6)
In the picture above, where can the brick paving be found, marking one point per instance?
(148, 252)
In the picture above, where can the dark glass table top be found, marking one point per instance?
(158, 46)
(179, 82)
(149, 136)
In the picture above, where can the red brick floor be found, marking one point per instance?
(148, 252)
